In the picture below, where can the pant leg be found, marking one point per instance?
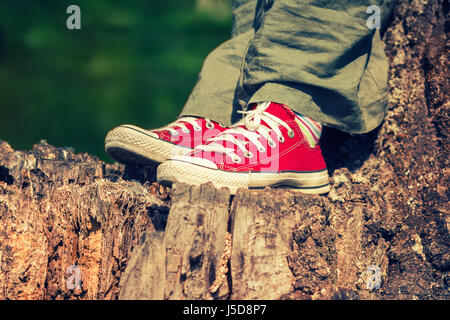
(214, 93)
(319, 58)
(243, 12)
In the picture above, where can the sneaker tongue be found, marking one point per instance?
(259, 105)
(273, 108)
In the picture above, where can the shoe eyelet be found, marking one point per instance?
(174, 133)
(249, 155)
(186, 130)
(291, 134)
(221, 125)
(262, 149)
(281, 139)
(236, 159)
(272, 144)
(209, 125)
(198, 128)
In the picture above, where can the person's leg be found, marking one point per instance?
(310, 62)
(320, 59)
(214, 93)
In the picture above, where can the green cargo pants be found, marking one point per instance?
(318, 57)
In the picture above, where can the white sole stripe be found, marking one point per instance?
(178, 171)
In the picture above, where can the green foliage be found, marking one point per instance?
(131, 62)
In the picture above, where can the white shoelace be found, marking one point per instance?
(252, 131)
(191, 120)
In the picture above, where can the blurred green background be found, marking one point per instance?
(132, 62)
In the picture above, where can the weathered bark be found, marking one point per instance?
(59, 209)
(188, 253)
(388, 207)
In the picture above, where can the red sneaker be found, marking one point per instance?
(131, 144)
(266, 148)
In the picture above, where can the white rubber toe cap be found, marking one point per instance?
(195, 160)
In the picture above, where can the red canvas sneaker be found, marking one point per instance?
(131, 144)
(269, 147)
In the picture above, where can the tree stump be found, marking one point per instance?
(188, 255)
(59, 209)
(381, 232)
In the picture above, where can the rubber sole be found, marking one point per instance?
(131, 144)
(172, 171)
